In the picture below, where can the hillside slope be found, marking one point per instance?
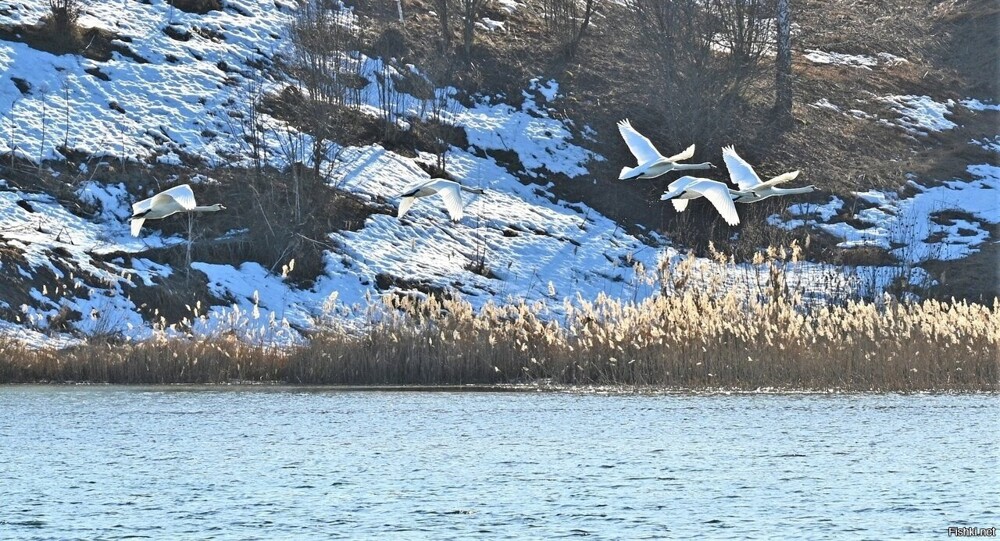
(175, 96)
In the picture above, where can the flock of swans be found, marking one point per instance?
(750, 188)
(651, 164)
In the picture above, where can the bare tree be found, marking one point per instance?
(244, 118)
(706, 54)
(568, 21)
(588, 12)
(558, 15)
(322, 40)
(443, 9)
(679, 40)
(743, 28)
(470, 15)
(330, 77)
(783, 64)
(389, 46)
(743, 33)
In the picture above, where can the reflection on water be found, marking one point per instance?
(266, 463)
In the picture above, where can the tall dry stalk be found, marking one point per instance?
(698, 333)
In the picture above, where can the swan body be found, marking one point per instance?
(651, 163)
(751, 188)
(450, 192)
(686, 188)
(166, 203)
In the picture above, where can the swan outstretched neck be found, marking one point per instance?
(651, 163)
(166, 203)
(687, 166)
(450, 192)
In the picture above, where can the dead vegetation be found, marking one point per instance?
(691, 337)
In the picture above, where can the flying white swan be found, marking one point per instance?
(685, 188)
(168, 202)
(651, 163)
(751, 189)
(450, 192)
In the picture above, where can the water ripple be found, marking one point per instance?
(265, 463)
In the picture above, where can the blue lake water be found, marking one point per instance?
(289, 463)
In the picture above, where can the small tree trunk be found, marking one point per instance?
(588, 11)
(443, 17)
(783, 78)
(468, 34)
(470, 13)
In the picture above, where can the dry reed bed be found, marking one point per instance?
(689, 339)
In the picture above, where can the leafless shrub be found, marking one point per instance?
(389, 46)
(244, 120)
(63, 16)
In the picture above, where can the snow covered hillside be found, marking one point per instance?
(69, 264)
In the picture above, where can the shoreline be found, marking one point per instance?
(504, 388)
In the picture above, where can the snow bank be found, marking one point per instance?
(943, 222)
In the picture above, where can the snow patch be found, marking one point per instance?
(853, 60)
(989, 143)
(510, 6)
(824, 103)
(821, 57)
(920, 115)
(490, 25)
(944, 222)
(976, 105)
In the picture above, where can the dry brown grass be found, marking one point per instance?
(213, 360)
(692, 337)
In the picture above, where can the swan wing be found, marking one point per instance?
(182, 195)
(640, 146)
(162, 205)
(780, 179)
(687, 154)
(451, 193)
(136, 225)
(718, 194)
(414, 186)
(405, 205)
(633, 173)
(680, 204)
(740, 171)
(676, 188)
(140, 206)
